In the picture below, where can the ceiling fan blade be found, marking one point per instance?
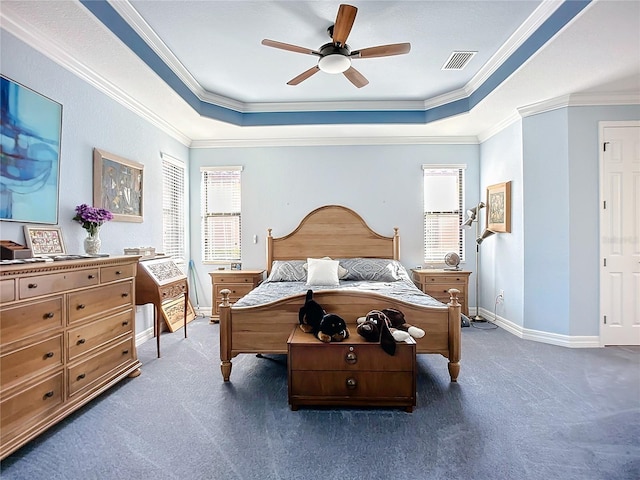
(356, 77)
(344, 22)
(289, 47)
(303, 76)
(382, 51)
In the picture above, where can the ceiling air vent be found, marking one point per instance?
(458, 60)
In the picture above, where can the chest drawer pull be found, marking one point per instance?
(91, 277)
(125, 295)
(81, 376)
(48, 354)
(49, 394)
(33, 285)
(351, 358)
(49, 315)
(124, 352)
(81, 341)
(124, 324)
(351, 383)
(81, 306)
(118, 272)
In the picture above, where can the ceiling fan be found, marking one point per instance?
(335, 57)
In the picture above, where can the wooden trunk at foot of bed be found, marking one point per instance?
(266, 328)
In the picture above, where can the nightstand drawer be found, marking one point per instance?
(237, 290)
(232, 278)
(448, 279)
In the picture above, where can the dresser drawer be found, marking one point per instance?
(24, 363)
(233, 278)
(99, 300)
(336, 356)
(25, 320)
(332, 385)
(86, 338)
(7, 290)
(57, 282)
(111, 274)
(89, 372)
(173, 291)
(30, 406)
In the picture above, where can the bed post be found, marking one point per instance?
(396, 244)
(455, 330)
(225, 334)
(269, 251)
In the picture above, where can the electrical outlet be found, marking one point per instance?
(501, 294)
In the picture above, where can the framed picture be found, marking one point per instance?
(236, 266)
(118, 186)
(173, 313)
(499, 207)
(44, 241)
(30, 167)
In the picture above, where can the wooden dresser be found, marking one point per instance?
(350, 373)
(239, 282)
(67, 333)
(437, 282)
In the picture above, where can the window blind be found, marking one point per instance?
(221, 214)
(173, 206)
(443, 209)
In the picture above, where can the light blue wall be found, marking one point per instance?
(92, 119)
(280, 185)
(502, 256)
(561, 217)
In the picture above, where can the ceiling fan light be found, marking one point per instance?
(334, 63)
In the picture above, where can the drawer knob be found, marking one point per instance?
(49, 315)
(351, 358)
(91, 276)
(118, 272)
(124, 352)
(33, 285)
(48, 394)
(81, 376)
(48, 354)
(351, 383)
(124, 324)
(81, 306)
(125, 295)
(81, 341)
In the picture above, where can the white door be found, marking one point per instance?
(620, 234)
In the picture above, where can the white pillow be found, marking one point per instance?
(342, 272)
(322, 272)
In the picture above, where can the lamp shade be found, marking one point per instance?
(472, 214)
(485, 234)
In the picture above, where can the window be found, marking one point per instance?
(220, 214)
(173, 215)
(443, 209)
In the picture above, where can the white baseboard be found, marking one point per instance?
(543, 337)
(144, 336)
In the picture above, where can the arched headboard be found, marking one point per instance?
(332, 231)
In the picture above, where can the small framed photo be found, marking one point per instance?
(44, 241)
(499, 207)
(236, 266)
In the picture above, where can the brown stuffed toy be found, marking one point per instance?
(375, 328)
(400, 329)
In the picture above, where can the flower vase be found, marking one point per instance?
(92, 243)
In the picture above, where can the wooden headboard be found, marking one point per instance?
(332, 231)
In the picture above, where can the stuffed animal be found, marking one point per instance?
(375, 328)
(400, 329)
(313, 319)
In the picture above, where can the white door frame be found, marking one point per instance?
(601, 127)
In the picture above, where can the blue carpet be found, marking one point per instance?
(520, 410)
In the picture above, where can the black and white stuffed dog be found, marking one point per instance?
(328, 327)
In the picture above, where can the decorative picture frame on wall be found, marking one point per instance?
(118, 186)
(31, 167)
(499, 207)
(44, 241)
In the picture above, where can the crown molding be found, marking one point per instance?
(581, 100)
(333, 141)
(498, 127)
(30, 35)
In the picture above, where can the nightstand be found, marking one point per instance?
(437, 282)
(240, 282)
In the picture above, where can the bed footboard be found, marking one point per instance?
(266, 328)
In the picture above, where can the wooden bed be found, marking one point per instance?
(337, 232)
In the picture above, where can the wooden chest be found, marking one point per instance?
(350, 373)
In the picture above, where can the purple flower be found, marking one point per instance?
(91, 218)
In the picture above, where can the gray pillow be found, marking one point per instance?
(288, 271)
(371, 269)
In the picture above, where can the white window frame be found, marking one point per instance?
(434, 249)
(174, 212)
(229, 248)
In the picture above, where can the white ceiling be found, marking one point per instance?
(214, 49)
